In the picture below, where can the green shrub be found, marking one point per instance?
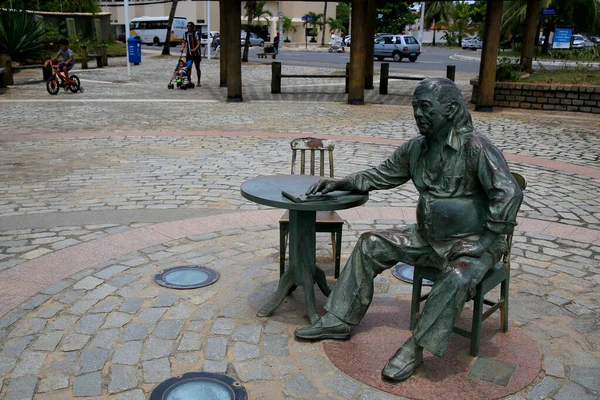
(451, 38)
(586, 54)
(507, 70)
(20, 35)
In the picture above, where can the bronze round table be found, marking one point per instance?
(302, 271)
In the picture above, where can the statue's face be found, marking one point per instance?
(429, 115)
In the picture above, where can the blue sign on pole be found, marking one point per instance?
(562, 38)
(304, 18)
(309, 18)
(548, 11)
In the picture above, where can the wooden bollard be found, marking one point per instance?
(84, 59)
(347, 77)
(6, 63)
(276, 77)
(104, 53)
(451, 72)
(384, 78)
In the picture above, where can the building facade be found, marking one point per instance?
(198, 12)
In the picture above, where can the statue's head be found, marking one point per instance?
(439, 107)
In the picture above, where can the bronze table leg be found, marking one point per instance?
(303, 270)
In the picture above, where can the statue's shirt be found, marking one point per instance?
(463, 190)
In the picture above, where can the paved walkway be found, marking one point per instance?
(136, 178)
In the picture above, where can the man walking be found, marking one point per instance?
(191, 45)
(468, 202)
(276, 43)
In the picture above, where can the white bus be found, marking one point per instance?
(153, 30)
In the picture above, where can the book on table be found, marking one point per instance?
(304, 198)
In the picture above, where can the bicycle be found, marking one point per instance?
(58, 80)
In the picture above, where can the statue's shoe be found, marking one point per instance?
(319, 330)
(402, 365)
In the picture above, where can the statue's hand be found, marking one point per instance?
(466, 248)
(325, 186)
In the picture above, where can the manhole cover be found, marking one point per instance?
(199, 386)
(186, 277)
(406, 272)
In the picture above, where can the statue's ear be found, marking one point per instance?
(452, 110)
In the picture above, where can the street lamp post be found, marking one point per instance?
(422, 23)
(280, 14)
(209, 44)
(126, 10)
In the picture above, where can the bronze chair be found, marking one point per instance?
(498, 275)
(327, 221)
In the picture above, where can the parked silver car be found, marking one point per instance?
(397, 47)
(577, 42)
(255, 40)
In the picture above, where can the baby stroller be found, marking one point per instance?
(182, 81)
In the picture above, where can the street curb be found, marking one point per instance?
(459, 57)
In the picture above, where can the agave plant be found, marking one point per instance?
(20, 35)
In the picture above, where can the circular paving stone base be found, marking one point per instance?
(385, 329)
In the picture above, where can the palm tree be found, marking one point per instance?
(313, 20)
(577, 13)
(437, 11)
(461, 23)
(336, 25)
(254, 9)
(324, 24)
(167, 47)
(261, 13)
(288, 26)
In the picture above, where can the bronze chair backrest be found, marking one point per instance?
(506, 257)
(312, 145)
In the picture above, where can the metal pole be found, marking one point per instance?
(422, 23)
(126, 8)
(279, 14)
(208, 25)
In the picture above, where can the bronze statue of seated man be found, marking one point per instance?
(468, 202)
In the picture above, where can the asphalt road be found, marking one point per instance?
(431, 59)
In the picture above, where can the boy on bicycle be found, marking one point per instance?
(68, 60)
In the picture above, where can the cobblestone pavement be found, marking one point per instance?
(110, 332)
(28, 109)
(94, 174)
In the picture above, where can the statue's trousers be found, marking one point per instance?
(380, 250)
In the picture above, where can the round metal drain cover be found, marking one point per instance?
(186, 277)
(199, 386)
(406, 272)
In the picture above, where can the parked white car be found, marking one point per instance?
(472, 42)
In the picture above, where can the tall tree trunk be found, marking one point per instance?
(167, 47)
(530, 36)
(434, 29)
(324, 24)
(250, 7)
(247, 43)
